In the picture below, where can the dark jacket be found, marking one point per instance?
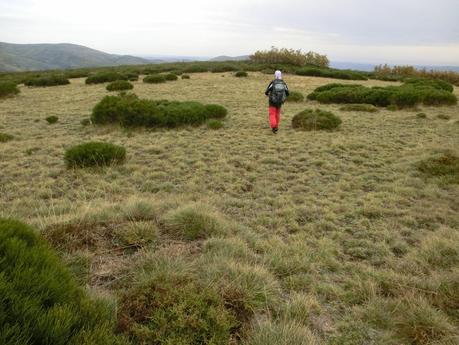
(270, 88)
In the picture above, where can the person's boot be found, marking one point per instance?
(275, 129)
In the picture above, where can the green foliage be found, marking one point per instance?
(369, 108)
(40, 300)
(70, 74)
(241, 74)
(444, 165)
(214, 124)
(8, 88)
(223, 68)
(154, 79)
(52, 119)
(216, 111)
(331, 73)
(289, 56)
(315, 120)
(195, 69)
(130, 111)
(185, 76)
(172, 307)
(295, 96)
(4, 137)
(119, 85)
(407, 95)
(171, 76)
(50, 80)
(105, 77)
(94, 154)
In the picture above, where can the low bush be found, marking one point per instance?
(241, 74)
(154, 79)
(295, 96)
(105, 77)
(50, 80)
(8, 88)
(171, 77)
(216, 111)
(331, 73)
(119, 85)
(185, 76)
(289, 56)
(407, 95)
(369, 108)
(4, 137)
(214, 124)
(130, 111)
(52, 119)
(223, 68)
(195, 69)
(444, 165)
(76, 74)
(41, 302)
(94, 154)
(315, 120)
(171, 307)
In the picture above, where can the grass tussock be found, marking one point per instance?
(214, 124)
(311, 120)
(367, 108)
(5, 137)
(444, 165)
(94, 154)
(41, 301)
(52, 119)
(241, 74)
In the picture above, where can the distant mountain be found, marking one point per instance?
(370, 67)
(230, 58)
(31, 57)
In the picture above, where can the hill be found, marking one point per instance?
(230, 58)
(30, 57)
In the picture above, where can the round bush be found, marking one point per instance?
(41, 302)
(214, 124)
(315, 120)
(295, 96)
(119, 85)
(241, 74)
(216, 111)
(171, 77)
(52, 119)
(4, 137)
(94, 154)
(185, 76)
(154, 79)
(49, 80)
(8, 88)
(104, 77)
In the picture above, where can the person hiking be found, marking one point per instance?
(277, 92)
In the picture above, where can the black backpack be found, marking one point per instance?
(278, 93)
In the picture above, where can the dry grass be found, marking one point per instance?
(341, 223)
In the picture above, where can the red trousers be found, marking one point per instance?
(274, 116)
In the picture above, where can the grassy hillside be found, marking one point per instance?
(305, 237)
(29, 57)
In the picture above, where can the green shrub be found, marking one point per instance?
(76, 74)
(241, 74)
(195, 69)
(154, 79)
(175, 308)
(444, 165)
(171, 77)
(94, 154)
(41, 302)
(216, 111)
(369, 108)
(290, 57)
(119, 85)
(104, 77)
(315, 120)
(130, 111)
(295, 96)
(131, 76)
(50, 80)
(185, 76)
(214, 124)
(4, 137)
(8, 88)
(331, 73)
(223, 68)
(407, 95)
(52, 119)
(432, 83)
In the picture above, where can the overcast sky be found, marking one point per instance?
(393, 31)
